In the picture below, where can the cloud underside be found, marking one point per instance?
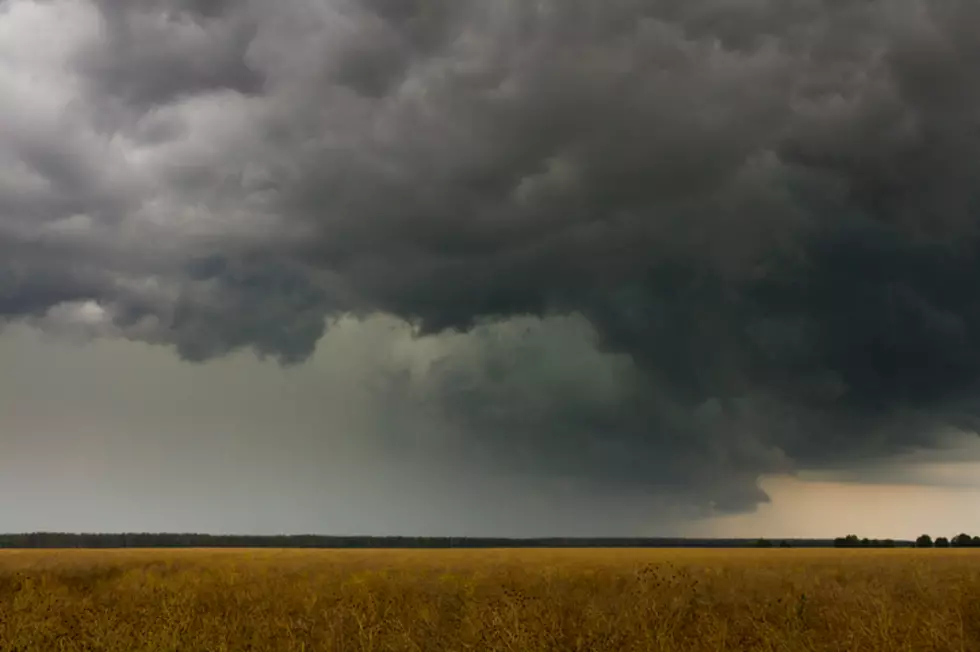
(664, 246)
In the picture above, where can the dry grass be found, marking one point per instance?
(615, 600)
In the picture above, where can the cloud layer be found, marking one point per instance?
(690, 243)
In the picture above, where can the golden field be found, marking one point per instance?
(784, 600)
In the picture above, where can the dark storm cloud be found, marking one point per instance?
(765, 212)
(156, 51)
(278, 310)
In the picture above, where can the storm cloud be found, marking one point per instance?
(663, 246)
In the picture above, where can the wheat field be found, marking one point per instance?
(784, 600)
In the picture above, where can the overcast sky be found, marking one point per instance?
(490, 268)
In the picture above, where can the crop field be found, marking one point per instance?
(782, 600)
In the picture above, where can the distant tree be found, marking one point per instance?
(763, 543)
(784, 544)
(865, 542)
(961, 541)
(888, 543)
(850, 541)
(942, 542)
(924, 541)
(975, 542)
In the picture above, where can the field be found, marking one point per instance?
(782, 600)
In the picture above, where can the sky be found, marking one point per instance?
(453, 267)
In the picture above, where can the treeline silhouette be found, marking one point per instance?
(852, 541)
(192, 540)
(171, 540)
(961, 540)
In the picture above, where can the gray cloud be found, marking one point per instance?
(156, 52)
(743, 233)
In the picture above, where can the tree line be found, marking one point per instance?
(961, 540)
(177, 540)
(191, 540)
(852, 541)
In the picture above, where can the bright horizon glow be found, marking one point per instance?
(825, 510)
